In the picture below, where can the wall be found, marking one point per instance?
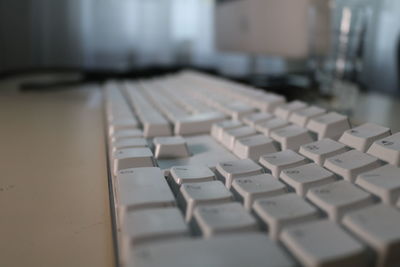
(15, 39)
(94, 34)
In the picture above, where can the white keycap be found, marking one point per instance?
(237, 110)
(254, 118)
(230, 170)
(330, 125)
(268, 102)
(118, 124)
(284, 111)
(223, 218)
(189, 174)
(338, 198)
(378, 226)
(302, 116)
(383, 182)
(230, 136)
(387, 149)
(170, 147)
(132, 158)
(291, 137)
(129, 143)
(350, 164)
(199, 123)
(250, 188)
(281, 211)
(238, 250)
(194, 194)
(120, 119)
(304, 177)
(324, 243)
(278, 161)
(116, 107)
(321, 150)
(124, 134)
(362, 137)
(154, 124)
(268, 126)
(141, 188)
(253, 147)
(218, 128)
(153, 127)
(153, 225)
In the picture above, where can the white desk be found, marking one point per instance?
(53, 182)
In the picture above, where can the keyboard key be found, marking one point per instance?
(338, 198)
(199, 123)
(306, 176)
(132, 158)
(218, 128)
(323, 243)
(268, 126)
(350, 164)
(191, 174)
(383, 182)
(254, 118)
(253, 147)
(237, 110)
(291, 137)
(194, 194)
(268, 102)
(322, 149)
(223, 218)
(281, 211)
(378, 226)
(129, 143)
(330, 125)
(142, 188)
(124, 134)
(245, 249)
(155, 126)
(239, 168)
(120, 124)
(362, 137)
(153, 225)
(120, 119)
(170, 147)
(278, 161)
(229, 137)
(250, 188)
(284, 111)
(302, 116)
(387, 149)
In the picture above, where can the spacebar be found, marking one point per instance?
(251, 249)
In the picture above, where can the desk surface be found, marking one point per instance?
(53, 183)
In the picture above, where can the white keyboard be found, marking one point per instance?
(208, 172)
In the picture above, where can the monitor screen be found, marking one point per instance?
(291, 29)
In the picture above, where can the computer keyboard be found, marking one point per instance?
(209, 172)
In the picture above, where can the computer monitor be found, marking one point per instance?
(293, 29)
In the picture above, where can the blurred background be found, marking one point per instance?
(121, 35)
(335, 50)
